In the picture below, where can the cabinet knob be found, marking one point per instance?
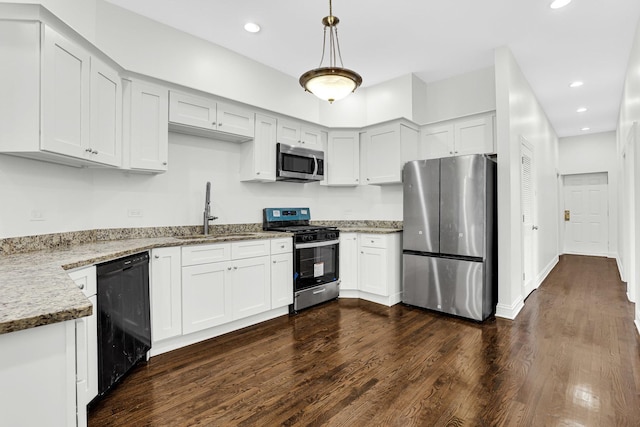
(281, 246)
(274, 262)
(164, 163)
(219, 124)
(361, 252)
(356, 179)
(156, 256)
(94, 152)
(372, 241)
(81, 286)
(455, 152)
(88, 150)
(229, 268)
(235, 268)
(367, 179)
(450, 152)
(257, 173)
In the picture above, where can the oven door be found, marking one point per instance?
(315, 263)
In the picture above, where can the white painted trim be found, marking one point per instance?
(620, 269)
(601, 255)
(185, 340)
(349, 293)
(509, 312)
(544, 273)
(612, 255)
(379, 299)
(637, 323)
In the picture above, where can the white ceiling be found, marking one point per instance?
(588, 40)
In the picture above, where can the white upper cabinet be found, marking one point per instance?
(258, 159)
(58, 102)
(65, 96)
(206, 117)
(458, 137)
(148, 127)
(343, 158)
(106, 114)
(384, 151)
(294, 133)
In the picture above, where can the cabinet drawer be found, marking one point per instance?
(203, 254)
(281, 246)
(250, 249)
(373, 241)
(86, 279)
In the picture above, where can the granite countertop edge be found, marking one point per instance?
(36, 290)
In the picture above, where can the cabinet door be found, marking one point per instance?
(311, 137)
(251, 286)
(348, 261)
(474, 136)
(288, 132)
(87, 360)
(166, 293)
(373, 270)
(343, 158)
(436, 141)
(382, 155)
(149, 127)
(206, 296)
(192, 110)
(235, 120)
(106, 114)
(281, 280)
(258, 161)
(65, 96)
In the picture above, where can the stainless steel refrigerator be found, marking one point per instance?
(450, 235)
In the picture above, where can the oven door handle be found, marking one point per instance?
(316, 244)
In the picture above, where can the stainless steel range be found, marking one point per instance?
(316, 277)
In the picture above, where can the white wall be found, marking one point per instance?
(627, 133)
(587, 154)
(518, 113)
(72, 199)
(463, 95)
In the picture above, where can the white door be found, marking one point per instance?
(251, 284)
(586, 222)
(527, 206)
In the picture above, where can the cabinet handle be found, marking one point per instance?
(94, 152)
(88, 150)
(156, 256)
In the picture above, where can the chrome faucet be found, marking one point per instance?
(207, 209)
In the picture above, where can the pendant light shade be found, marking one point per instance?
(331, 83)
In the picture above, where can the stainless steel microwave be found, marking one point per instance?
(299, 164)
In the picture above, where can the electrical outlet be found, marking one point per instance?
(134, 213)
(37, 215)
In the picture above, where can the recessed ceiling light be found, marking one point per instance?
(581, 110)
(576, 84)
(585, 129)
(252, 27)
(557, 4)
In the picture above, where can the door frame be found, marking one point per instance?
(528, 284)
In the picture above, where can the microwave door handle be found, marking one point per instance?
(315, 167)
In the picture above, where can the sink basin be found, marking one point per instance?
(214, 236)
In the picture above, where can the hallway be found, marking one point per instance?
(571, 358)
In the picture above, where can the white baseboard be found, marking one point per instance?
(547, 269)
(637, 323)
(509, 312)
(620, 269)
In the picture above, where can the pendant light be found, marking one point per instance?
(332, 82)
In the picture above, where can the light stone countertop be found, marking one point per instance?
(370, 230)
(36, 290)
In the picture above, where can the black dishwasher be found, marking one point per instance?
(124, 331)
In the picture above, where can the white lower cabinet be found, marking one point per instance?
(86, 345)
(206, 296)
(281, 272)
(348, 262)
(214, 293)
(166, 293)
(370, 267)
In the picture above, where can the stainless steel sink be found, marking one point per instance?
(214, 236)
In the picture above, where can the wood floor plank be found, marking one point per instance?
(572, 357)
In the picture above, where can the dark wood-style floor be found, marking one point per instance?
(571, 358)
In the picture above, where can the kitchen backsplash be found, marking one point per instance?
(24, 244)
